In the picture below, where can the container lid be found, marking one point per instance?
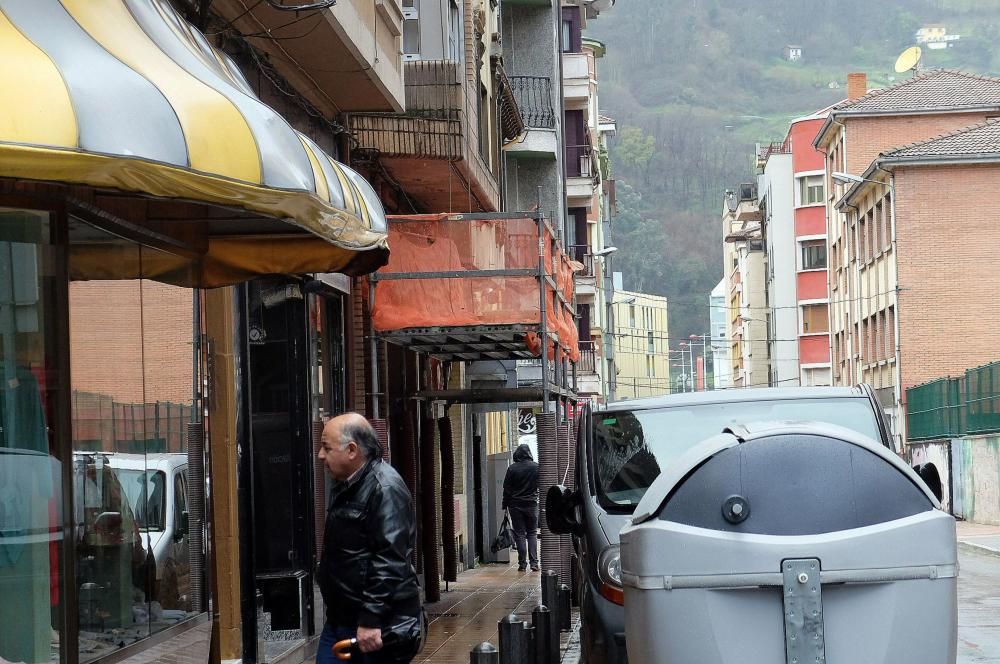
(844, 478)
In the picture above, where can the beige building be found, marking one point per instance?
(867, 289)
(745, 267)
(642, 348)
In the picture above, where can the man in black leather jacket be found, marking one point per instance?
(520, 499)
(369, 586)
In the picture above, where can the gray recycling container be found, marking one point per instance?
(802, 543)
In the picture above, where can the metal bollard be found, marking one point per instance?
(529, 635)
(565, 621)
(484, 653)
(546, 652)
(513, 641)
(550, 584)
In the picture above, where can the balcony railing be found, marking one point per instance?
(774, 147)
(534, 97)
(588, 357)
(581, 254)
(579, 161)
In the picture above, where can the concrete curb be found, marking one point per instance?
(978, 548)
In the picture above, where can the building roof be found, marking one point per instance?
(937, 89)
(979, 140)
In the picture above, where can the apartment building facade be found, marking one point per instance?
(942, 245)
(864, 263)
(745, 267)
(777, 204)
(718, 304)
(642, 348)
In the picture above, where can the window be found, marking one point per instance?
(815, 319)
(411, 29)
(454, 32)
(814, 255)
(631, 315)
(651, 343)
(811, 190)
(890, 332)
(650, 367)
(872, 220)
(879, 228)
(879, 336)
(631, 447)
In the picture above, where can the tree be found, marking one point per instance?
(635, 149)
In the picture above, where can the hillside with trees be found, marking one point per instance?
(694, 84)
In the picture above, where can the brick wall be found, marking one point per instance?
(111, 354)
(868, 137)
(947, 235)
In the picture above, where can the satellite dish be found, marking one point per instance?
(908, 60)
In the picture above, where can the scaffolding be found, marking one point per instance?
(488, 286)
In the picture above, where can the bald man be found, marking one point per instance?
(369, 586)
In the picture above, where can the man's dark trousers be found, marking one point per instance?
(331, 635)
(524, 523)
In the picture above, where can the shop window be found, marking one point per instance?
(31, 537)
(131, 358)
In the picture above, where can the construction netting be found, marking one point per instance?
(425, 244)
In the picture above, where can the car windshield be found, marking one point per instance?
(145, 492)
(631, 448)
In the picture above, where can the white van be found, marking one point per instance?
(156, 486)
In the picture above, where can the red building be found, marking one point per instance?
(812, 288)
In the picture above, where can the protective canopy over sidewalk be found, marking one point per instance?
(126, 96)
(473, 287)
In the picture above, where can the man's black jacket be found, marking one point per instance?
(365, 573)
(520, 484)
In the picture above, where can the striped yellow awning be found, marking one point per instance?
(126, 95)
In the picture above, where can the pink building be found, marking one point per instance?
(812, 288)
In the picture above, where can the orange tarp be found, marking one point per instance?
(434, 243)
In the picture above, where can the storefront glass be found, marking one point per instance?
(131, 357)
(31, 533)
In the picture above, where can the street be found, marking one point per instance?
(978, 608)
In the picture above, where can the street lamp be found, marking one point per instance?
(606, 251)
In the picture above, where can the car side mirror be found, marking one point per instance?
(561, 510)
(182, 526)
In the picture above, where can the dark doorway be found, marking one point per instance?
(281, 451)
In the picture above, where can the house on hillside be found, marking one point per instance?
(793, 53)
(935, 37)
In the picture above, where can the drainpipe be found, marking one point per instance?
(898, 389)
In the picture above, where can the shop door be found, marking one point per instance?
(281, 451)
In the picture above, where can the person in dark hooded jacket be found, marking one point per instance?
(520, 499)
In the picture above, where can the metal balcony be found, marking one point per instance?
(534, 98)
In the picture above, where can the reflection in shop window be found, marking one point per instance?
(31, 590)
(132, 383)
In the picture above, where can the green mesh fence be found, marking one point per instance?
(951, 407)
(982, 399)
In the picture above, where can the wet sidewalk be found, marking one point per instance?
(978, 537)
(469, 612)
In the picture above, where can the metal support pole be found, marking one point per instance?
(374, 350)
(513, 640)
(557, 380)
(543, 327)
(565, 622)
(484, 653)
